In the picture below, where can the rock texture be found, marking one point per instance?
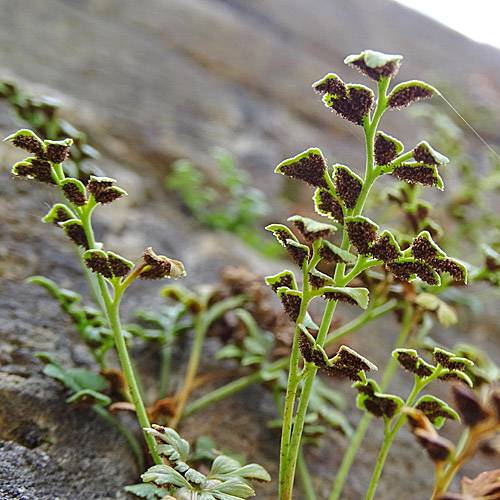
(152, 82)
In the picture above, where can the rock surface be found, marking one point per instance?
(150, 83)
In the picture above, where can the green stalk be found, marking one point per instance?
(298, 427)
(340, 268)
(113, 315)
(465, 449)
(200, 331)
(165, 361)
(370, 129)
(384, 450)
(293, 382)
(131, 440)
(408, 323)
(389, 436)
(305, 476)
(464, 438)
(280, 364)
(390, 433)
(363, 319)
(201, 324)
(232, 387)
(348, 458)
(58, 175)
(294, 377)
(290, 452)
(371, 174)
(111, 309)
(92, 282)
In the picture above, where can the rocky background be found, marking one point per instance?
(152, 82)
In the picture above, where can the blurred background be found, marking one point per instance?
(191, 104)
(173, 79)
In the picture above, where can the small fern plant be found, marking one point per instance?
(227, 479)
(329, 266)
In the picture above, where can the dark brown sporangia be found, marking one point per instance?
(383, 249)
(102, 190)
(57, 153)
(159, 267)
(446, 361)
(73, 194)
(291, 305)
(404, 270)
(432, 410)
(348, 365)
(316, 281)
(281, 235)
(328, 255)
(297, 254)
(468, 405)
(377, 406)
(99, 264)
(421, 154)
(118, 267)
(310, 169)
(391, 68)
(416, 174)
(448, 266)
(411, 363)
(341, 371)
(353, 360)
(77, 234)
(361, 235)
(347, 187)
(327, 203)
(452, 377)
(385, 150)
(30, 144)
(311, 235)
(406, 95)
(39, 170)
(332, 84)
(98, 185)
(353, 105)
(422, 249)
(408, 361)
(285, 280)
(340, 297)
(61, 216)
(309, 354)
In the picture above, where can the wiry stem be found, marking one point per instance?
(391, 432)
(111, 307)
(407, 326)
(201, 324)
(291, 390)
(298, 426)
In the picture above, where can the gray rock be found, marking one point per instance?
(150, 83)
